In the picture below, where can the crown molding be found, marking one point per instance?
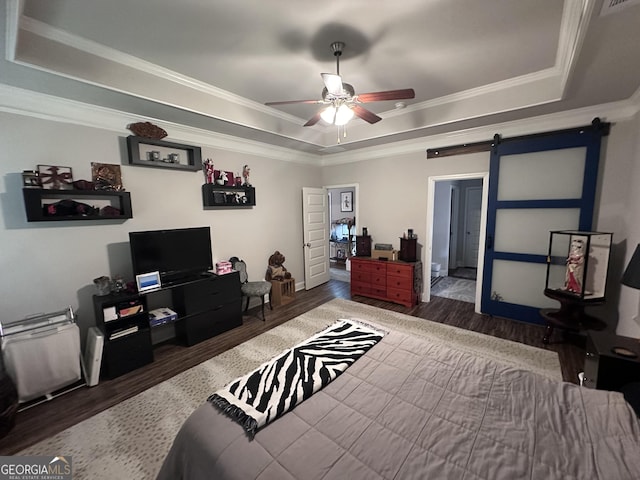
(612, 112)
(528, 90)
(48, 107)
(38, 105)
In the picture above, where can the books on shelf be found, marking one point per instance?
(160, 316)
(122, 333)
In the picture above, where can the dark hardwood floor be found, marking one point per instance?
(49, 418)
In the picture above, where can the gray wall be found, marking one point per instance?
(47, 266)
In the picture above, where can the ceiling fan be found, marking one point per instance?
(341, 99)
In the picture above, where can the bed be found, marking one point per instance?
(410, 408)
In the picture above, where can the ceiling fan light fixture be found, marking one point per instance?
(340, 116)
(343, 115)
(328, 114)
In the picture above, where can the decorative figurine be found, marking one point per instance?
(276, 269)
(238, 180)
(103, 284)
(245, 174)
(208, 170)
(222, 178)
(575, 264)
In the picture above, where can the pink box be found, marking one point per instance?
(223, 267)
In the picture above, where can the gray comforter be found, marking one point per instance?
(412, 409)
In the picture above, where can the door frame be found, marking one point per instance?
(431, 187)
(356, 210)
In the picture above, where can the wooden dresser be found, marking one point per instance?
(393, 281)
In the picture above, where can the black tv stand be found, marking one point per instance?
(207, 305)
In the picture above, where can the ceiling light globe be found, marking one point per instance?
(328, 114)
(343, 115)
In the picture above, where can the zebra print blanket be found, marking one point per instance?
(277, 386)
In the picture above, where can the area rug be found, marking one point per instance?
(131, 439)
(455, 289)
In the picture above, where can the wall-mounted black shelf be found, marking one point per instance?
(38, 200)
(149, 152)
(227, 196)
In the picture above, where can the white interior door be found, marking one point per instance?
(315, 224)
(473, 210)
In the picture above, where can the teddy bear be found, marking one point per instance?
(277, 270)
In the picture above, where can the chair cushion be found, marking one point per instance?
(256, 289)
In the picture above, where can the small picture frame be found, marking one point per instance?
(106, 176)
(54, 177)
(30, 179)
(147, 282)
(346, 201)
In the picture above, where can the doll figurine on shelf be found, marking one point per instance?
(208, 170)
(575, 265)
(222, 178)
(245, 174)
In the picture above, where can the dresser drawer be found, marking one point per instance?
(360, 288)
(378, 280)
(397, 270)
(400, 283)
(400, 296)
(207, 294)
(360, 277)
(360, 266)
(202, 326)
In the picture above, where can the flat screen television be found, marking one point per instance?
(178, 254)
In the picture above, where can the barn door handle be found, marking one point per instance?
(489, 242)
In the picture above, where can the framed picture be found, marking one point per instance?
(148, 281)
(54, 177)
(346, 202)
(106, 176)
(30, 179)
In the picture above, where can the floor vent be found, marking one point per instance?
(613, 6)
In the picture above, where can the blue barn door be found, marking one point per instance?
(536, 184)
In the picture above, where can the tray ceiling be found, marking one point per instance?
(215, 64)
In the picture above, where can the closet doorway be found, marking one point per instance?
(457, 217)
(343, 205)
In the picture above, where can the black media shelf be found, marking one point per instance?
(36, 201)
(228, 196)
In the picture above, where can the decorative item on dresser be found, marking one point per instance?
(363, 245)
(393, 281)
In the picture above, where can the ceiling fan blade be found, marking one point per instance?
(386, 95)
(313, 120)
(365, 114)
(333, 83)
(287, 102)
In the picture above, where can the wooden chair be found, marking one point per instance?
(249, 289)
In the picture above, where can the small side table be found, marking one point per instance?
(570, 317)
(610, 362)
(282, 292)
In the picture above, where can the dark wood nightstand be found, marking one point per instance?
(610, 362)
